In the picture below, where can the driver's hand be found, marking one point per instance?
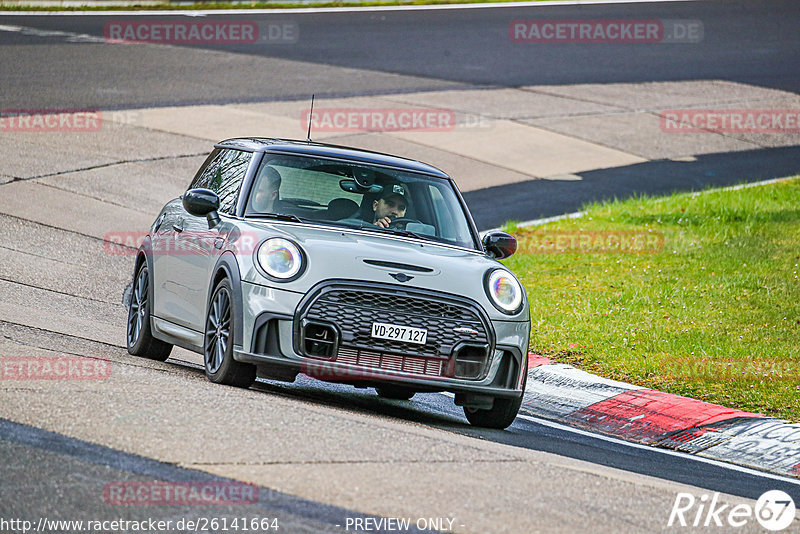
(383, 223)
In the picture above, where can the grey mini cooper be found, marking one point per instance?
(287, 257)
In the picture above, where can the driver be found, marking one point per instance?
(391, 204)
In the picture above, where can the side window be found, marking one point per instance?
(223, 174)
(201, 171)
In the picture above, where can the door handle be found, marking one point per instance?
(178, 227)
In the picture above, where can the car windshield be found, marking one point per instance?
(353, 195)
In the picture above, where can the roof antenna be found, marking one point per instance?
(310, 116)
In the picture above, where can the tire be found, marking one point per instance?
(218, 360)
(394, 392)
(502, 413)
(138, 335)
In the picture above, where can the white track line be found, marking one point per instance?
(71, 36)
(203, 13)
(668, 452)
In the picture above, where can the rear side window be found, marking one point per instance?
(223, 173)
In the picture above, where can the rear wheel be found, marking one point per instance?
(220, 366)
(394, 392)
(140, 340)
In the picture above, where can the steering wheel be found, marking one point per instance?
(402, 222)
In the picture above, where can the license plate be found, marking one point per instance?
(409, 334)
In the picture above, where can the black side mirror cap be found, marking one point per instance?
(499, 245)
(202, 203)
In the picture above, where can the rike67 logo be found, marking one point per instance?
(775, 511)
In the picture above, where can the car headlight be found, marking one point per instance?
(280, 258)
(504, 291)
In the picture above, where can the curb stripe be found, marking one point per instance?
(635, 414)
(535, 360)
(648, 415)
(667, 452)
(557, 390)
(768, 443)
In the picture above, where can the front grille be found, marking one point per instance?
(391, 362)
(353, 310)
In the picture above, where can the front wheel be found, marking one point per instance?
(139, 337)
(220, 366)
(500, 416)
(394, 392)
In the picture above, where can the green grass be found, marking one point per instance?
(714, 314)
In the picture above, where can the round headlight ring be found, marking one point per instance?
(280, 259)
(504, 291)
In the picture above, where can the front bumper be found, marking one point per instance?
(277, 326)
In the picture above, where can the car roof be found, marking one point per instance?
(310, 148)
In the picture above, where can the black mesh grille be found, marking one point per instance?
(354, 311)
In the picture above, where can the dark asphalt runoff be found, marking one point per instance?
(754, 43)
(384, 52)
(547, 198)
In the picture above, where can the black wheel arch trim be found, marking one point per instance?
(228, 265)
(146, 249)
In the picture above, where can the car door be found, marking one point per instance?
(195, 247)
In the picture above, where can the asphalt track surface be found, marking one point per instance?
(390, 52)
(747, 42)
(438, 410)
(34, 458)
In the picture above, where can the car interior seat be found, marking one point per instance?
(341, 208)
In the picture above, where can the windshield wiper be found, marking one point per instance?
(397, 231)
(367, 226)
(278, 216)
(407, 233)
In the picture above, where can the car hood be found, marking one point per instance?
(340, 253)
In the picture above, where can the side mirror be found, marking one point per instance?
(499, 245)
(202, 203)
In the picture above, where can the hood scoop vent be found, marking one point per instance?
(401, 266)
